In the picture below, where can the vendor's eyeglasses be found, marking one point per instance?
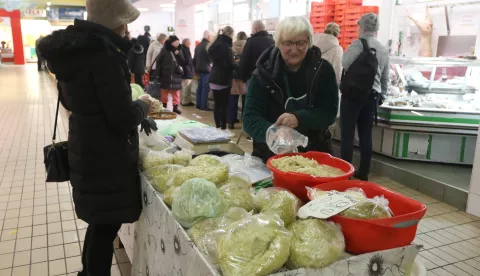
(301, 44)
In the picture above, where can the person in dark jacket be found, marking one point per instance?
(238, 86)
(203, 65)
(188, 72)
(136, 62)
(292, 86)
(40, 60)
(170, 72)
(255, 46)
(221, 76)
(145, 41)
(89, 60)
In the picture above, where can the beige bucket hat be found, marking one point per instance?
(111, 13)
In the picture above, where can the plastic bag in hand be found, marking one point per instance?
(255, 246)
(282, 139)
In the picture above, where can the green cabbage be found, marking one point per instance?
(137, 90)
(170, 195)
(255, 246)
(278, 201)
(204, 234)
(206, 160)
(197, 199)
(371, 208)
(216, 175)
(315, 244)
(159, 176)
(236, 195)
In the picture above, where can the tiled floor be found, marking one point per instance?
(40, 234)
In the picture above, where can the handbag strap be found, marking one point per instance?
(56, 119)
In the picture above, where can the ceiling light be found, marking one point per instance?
(167, 5)
(142, 9)
(168, 9)
(49, 3)
(47, 9)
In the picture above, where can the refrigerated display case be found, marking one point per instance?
(432, 110)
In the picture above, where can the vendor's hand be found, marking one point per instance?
(148, 125)
(287, 119)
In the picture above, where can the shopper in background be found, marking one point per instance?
(220, 52)
(153, 52)
(40, 60)
(145, 40)
(255, 46)
(188, 72)
(136, 63)
(203, 65)
(361, 112)
(330, 47)
(293, 87)
(238, 86)
(170, 71)
(90, 64)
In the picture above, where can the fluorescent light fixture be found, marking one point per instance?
(168, 9)
(49, 3)
(167, 5)
(142, 9)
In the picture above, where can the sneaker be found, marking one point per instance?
(249, 139)
(229, 133)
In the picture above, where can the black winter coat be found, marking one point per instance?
(90, 64)
(201, 60)
(221, 55)
(169, 69)
(145, 41)
(255, 46)
(136, 61)
(188, 69)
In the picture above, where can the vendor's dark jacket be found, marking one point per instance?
(188, 69)
(201, 60)
(255, 46)
(266, 99)
(221, 55)
(136, 61)
(90, 64)
(168, 72)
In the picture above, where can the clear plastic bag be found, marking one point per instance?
(240, 179)
(282, 139)
(255, 246)
(170, 195)
(315, 244)
(204, 135)
(369, 208)
(154, 141)
(204, 234)
(157, 107)
(159, 176)
(197, 199)
(356, 193)
(239, 163)
(154, 159)
(217, 175)
(183, 157)
(278, 201)
(236, 195)
(207, 160)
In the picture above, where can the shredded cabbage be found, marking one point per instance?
(278, 201)
(300, 164)
(236, 195)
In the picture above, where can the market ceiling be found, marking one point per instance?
(32, 4)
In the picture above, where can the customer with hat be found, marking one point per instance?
(361, 112)
(89, 60)
(170, 72)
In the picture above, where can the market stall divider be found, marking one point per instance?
(15, 16)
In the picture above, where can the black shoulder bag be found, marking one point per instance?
(56, 156)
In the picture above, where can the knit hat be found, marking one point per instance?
(369, 22)
(173, 38)
(111, 13)
(333, 29)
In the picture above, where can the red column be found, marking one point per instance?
(18, 55)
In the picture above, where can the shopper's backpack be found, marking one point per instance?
(357, 81)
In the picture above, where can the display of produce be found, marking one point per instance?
(216, 174)
(159, 176)
(278, 201)
(137, 91)
(206, 160)
(155, 159)
(170, 195)
(300, 164)
(315, 244)
(204, 234)
(370, 208)
(240, 180)
(182, 157)
(196, 199)
(255, 246)
(236, 195)
(153, 141)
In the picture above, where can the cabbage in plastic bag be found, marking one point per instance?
(159, 176)
(282, 139)
(206, 160)
(236, 195)
(255, 246)
(170, 195)
(239, 179)
(370, 208)
(315, 244)
(183, 157)
(278, 201)
(204, 234)
(137, 91)
(197, 199)
(217, 175)
(154, 159)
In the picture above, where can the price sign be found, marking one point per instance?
(327, 206)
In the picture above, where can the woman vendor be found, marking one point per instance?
(294, 87)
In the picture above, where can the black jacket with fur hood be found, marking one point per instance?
(90, 64)
(136, 59)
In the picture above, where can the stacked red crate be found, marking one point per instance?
(321, 14)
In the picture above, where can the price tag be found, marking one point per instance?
(327, 206)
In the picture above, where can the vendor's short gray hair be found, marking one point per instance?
(291, 27)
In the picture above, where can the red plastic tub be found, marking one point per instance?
(364, 236)
(296, 182)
